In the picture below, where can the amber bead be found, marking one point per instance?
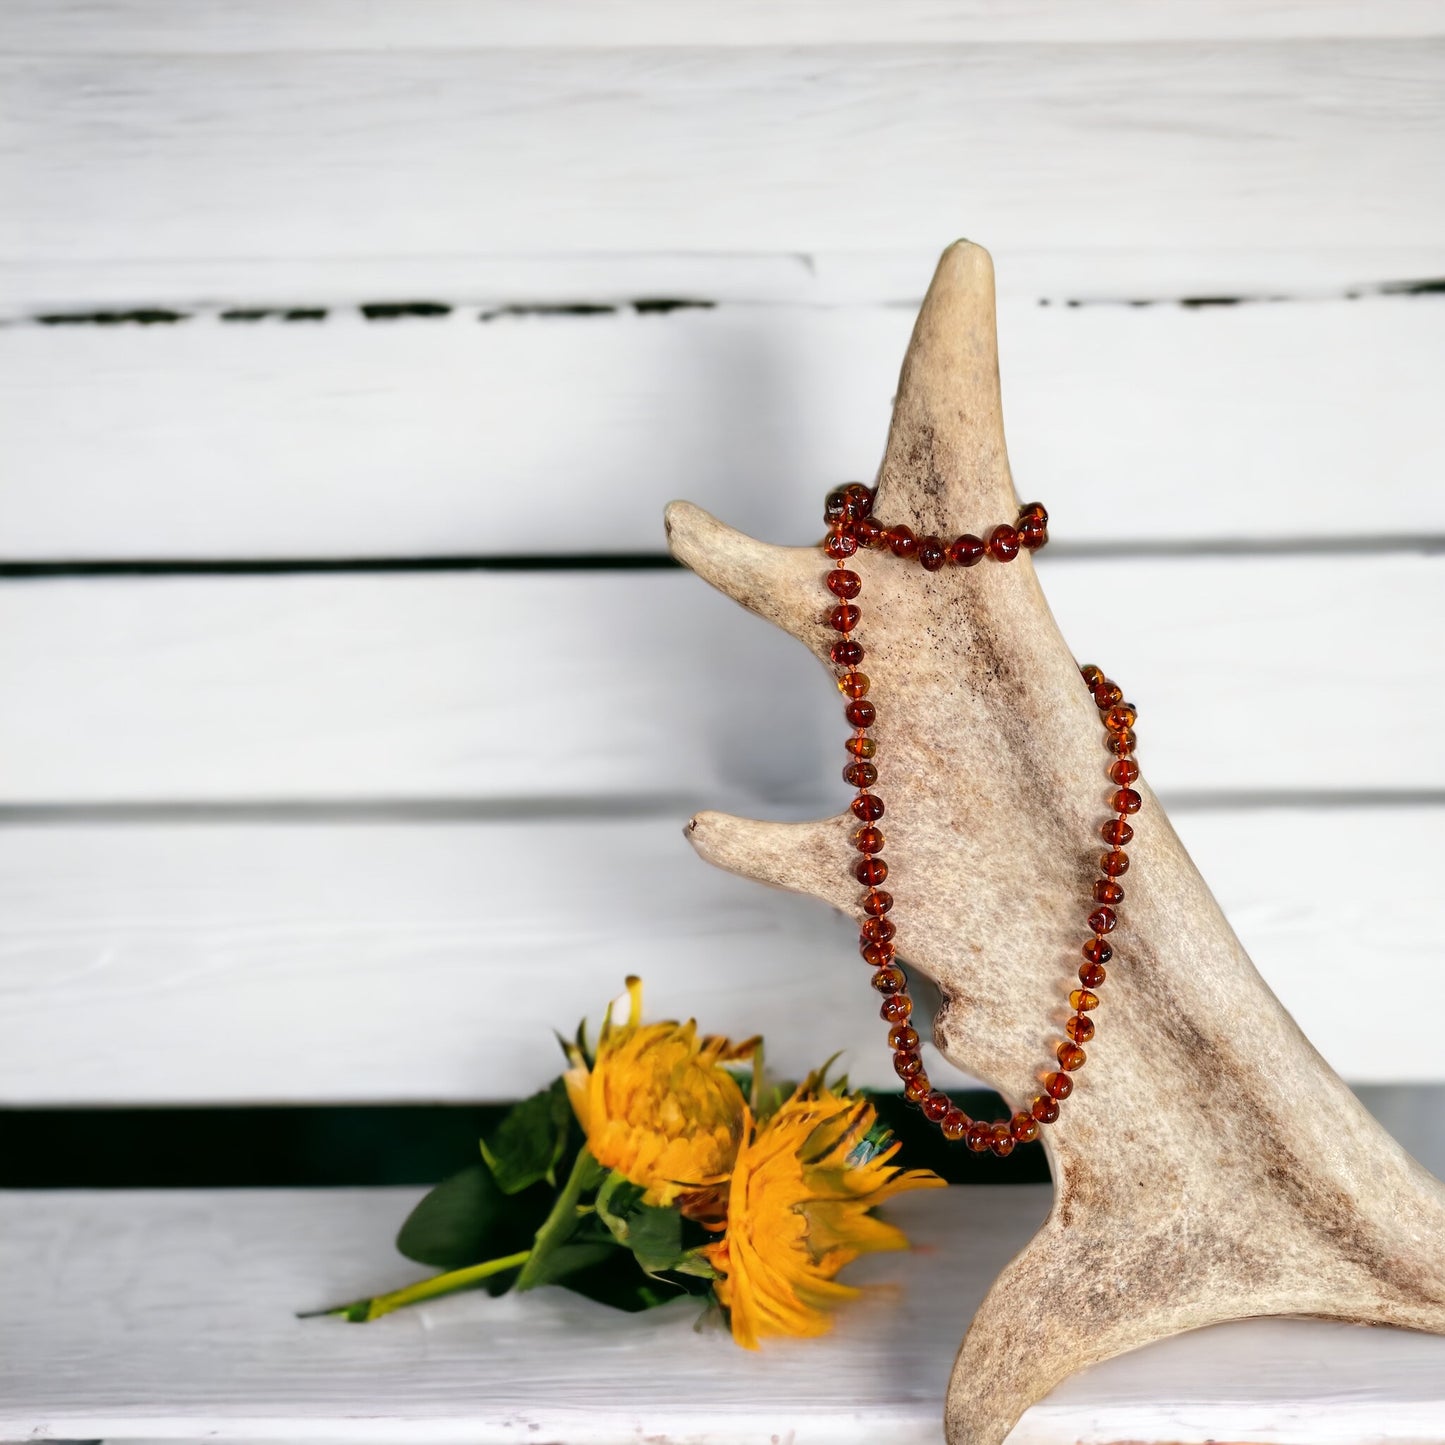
(1059, 1086)
(966, 550)
(1079, 1027)
(906, 1063)
(1071, 1056)
(1124, 771)
(1036, 510)
(1003, 543)
(979, 1135)
(1044, 1109)
(860, 745)
(871, 871)
(917, 1088)
(1001, 1140)
(901, 541)
(868, 531)
(903, 1037)
(840, 545)
(1083, 1000)
(1103, 920)
(954, 1124)
(846, 653)
(861, 775)
(876, 902)
(1024, 1128)
(875, 954)
(860, 713)
(835, 506)
(854, 685)
(890, 979)
(868, 840)
(1032, 534)
(1105, 890)
(1114, 863)
(844, 617)
(1120, 717)
(895, 1010)
(936, 1105)
(1092, 675)
(843, 583)
(857, 500)
(1097, 951)
(1126, 800)
(1120, 744)
(1091, 975)
(1106, 694)
(932, 554)
(878, 930)
(1116, 832)
(868, 806)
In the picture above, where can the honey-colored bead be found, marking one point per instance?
(1114, 863)
(1058, 1086)
(1070, 1055)
(1119, 717)
(967, 550)
(895, 1010)
(868, 531)
(936, 1105)
(861, 713)
(1107, 695)
(903, 1037)
(1105, 890)
(1001, 1140)
(868, 840)
(889, 979)
(857, 501)
(844, 617)
(954, 1124)
(978, 1136)
(871, 871)
(906, 1063)
(1044, 1109)
(840, 545)
(868, 807)
(901, 541)
(1092, 975)
(843, 583)
(916, 1089)
(1032, 534)
(861, 775)
(1083, 1000)
(1116, 832)
(1124, 771)
(853, 685)
(1024, 1127)
(860, 745)
(1097, 951)
(1079, 1027)
(876, 901)
(932, 554)
(1092, 675)
(875, 954)
(1003, 543)
(1036, 511)
(1126, 800)
(878, 930)
(1120, 744)
(1103, 920)
(835, 506)
(846, 653)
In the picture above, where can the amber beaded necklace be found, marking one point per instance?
(851, 525)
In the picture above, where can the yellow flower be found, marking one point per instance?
(657, 1105)
(802, 1186)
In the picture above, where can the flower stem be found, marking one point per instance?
(561, 1221)
(362, 1310)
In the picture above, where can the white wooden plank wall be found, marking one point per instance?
(282, 837)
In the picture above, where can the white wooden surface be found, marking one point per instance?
(170, 1316)
(375, 960)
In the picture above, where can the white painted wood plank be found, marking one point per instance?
(169, 1315)
(405, 152)
(568, 434)
(373, 961)
(129, 27)
(618, 685)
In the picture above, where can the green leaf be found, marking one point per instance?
(453, 1225)
(652, 1233)
(620, 1282)
(527, 1144)
(563, 1260)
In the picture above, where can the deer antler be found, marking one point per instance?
(1209, 1165)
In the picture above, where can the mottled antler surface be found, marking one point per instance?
(1209, 1165)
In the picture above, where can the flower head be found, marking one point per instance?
(802, 1185)
(657, 1105)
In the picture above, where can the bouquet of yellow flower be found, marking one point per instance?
(659, 1165)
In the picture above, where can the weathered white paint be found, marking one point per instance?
(370, 961)
(569, 434)
(170, 1316)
